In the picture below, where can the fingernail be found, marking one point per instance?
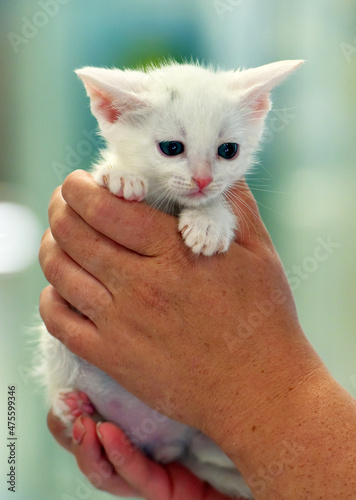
(78, 430)
(98, 430)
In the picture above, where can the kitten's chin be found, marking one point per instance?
(194, 200)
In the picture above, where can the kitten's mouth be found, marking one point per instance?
(195, 198)
(196, 195)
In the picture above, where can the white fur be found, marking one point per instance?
(136, 110)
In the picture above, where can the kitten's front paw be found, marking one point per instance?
(128, 186)
(204, 234)
(70, 404)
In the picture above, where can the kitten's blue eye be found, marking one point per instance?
(228, 150)
(171, 148)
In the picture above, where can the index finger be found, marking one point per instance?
(143, 229)
(133, 225)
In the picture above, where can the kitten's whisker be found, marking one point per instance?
(265, 169)
(164, 199)
(270, 191)
(269, 208)
(234, 199)
(256, 180)
(284, 109)
(243, 214)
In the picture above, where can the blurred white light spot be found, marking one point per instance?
(20, 234)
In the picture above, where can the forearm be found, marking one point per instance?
(295, 438)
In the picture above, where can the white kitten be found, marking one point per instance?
(178, 136)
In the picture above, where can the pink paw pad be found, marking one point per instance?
(78, 403)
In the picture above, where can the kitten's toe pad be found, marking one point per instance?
(203, 235)
(130, 187)
(70, 404)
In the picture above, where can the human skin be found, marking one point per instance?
(132, 474)
(213, 342)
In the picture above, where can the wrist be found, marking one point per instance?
(262, 387)
(290, 435)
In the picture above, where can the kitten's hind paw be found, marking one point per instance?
(70, 404)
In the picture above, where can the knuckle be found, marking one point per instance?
(64, 333)
(54, 199)
(51, 325)
(152, 297)
(45, 236)
(61, 226)
(50, 320)
(98, 209)
(55, 203)
(42, 296)
(70, 183)
(41, 307)
(51, 267)
(43, 246)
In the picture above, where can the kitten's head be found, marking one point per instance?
(190, 130)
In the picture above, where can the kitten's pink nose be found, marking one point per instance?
(202, 182)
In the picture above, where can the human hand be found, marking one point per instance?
(216, 339)
(113, 464)
(204, 334)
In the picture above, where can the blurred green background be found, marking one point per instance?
(305, 182)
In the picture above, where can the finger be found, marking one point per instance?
(251, 231)
(93, 462)
(143, 475)
(153, 481)
(76, 332)
(90, 249)
(133, 225)
(57, 429)
(82, 290)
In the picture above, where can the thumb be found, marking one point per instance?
(132, 225)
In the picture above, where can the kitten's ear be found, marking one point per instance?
(112, 93)
(255, 84)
